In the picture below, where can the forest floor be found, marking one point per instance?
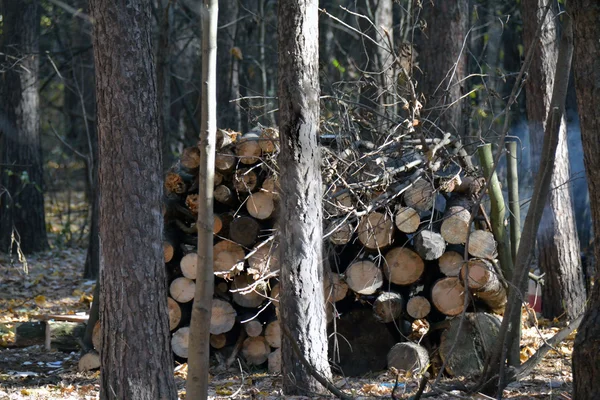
(53, 285)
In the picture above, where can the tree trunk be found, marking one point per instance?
(197, 382)
(443, 62)
(227, 61)
(21, 173)
(301, 305)
(586, 65)
(133, 277)
(557, 240)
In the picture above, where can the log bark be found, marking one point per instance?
(407, 220)
(375, 230)
(364, 277)
(30, 334)
(464, 351)
(408, 357)
(448, 296)
(429, 245)
(403, 266)
(388, 307)
(483, 280)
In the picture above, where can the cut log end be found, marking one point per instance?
(450, 263)
(335, 287)
(253, 328)
(448, 296)
(89, 362)
(420, 195)
(375, 231)
(418, 307)
(260, 205)
(274, 362)
(455, 227)
(409, 357)
(255, 350)
(430, 245)
(222, 317)
(407, 220)
(174, 313)
(182, 290)
(364, 277)
(180, 342)
(403, 266)
(189, 265)
(388, 307)
(273, 334)
(482, 245)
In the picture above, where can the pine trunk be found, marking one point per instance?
(586, 64)
(133, 277)
(301, 304)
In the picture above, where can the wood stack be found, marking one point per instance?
(245, 261)
(396, 226)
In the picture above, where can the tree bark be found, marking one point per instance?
(21, 161)
(557, 241)
(132, 277)
(228, 80)
(586, 66)
(302, 300)
(443, 62)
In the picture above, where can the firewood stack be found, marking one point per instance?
(397, 217)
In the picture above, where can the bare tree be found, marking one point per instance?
(302, 304)
(557, 240)
(586, 21)
(21, 178)
(135, 356)
(199, 349)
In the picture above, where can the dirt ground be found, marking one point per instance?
(53, 285)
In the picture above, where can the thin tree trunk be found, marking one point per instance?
(199, 348)
(557, 240)
(508, 336)
(586, 21)
(136, 357)
(21, 175)
(302, 304)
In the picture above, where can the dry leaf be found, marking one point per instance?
(40, 300)
(237, 53)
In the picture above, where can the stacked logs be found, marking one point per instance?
(401, 241)
(246, 267)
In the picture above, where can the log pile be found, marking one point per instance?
(397, 227)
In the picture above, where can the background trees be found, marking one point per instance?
(136, 363)
(22, 218)
(558, 244)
